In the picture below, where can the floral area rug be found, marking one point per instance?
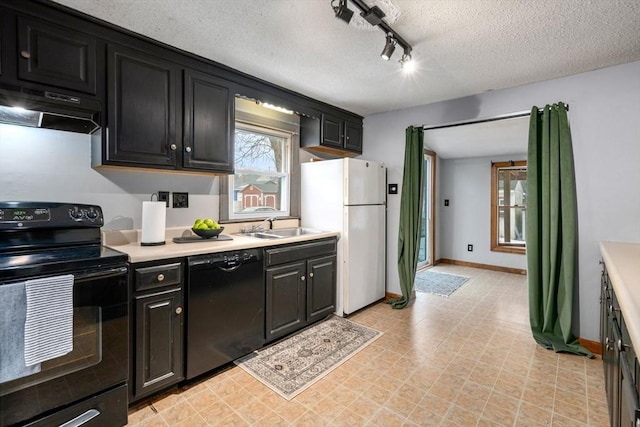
(442, 284)
(292, 365)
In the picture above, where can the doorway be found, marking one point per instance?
(427, 234)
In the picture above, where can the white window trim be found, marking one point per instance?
(285, 175)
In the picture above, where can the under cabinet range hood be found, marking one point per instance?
(48, 110)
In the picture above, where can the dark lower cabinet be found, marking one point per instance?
(619, 360)
(300, 286)
(143, 109)
(321, 287)
(56, 56)
(158, 330)
(286, 299)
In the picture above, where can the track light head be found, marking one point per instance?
(389, 47)
(342, 11)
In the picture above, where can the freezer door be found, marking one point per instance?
(363, 261)
(364, 182)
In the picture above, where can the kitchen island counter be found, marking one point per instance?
(623, 265)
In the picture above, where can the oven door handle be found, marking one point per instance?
(82, 418)
(101, 273)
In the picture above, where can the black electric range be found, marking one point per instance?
(42, 244)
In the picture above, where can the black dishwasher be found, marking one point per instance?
(225, 308)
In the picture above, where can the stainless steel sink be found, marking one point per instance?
(279, 233)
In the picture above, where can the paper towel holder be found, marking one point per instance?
(162, 224)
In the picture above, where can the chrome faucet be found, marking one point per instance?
(260, 227)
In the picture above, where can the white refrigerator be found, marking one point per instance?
(348, 195)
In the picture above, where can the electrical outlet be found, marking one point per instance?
(180, 200)
(163, 196)
(446, 202)
(470, 248)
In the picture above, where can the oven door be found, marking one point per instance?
(97, 362)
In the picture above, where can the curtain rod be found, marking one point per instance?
(490, 119)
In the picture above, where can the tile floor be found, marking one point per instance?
(466, 360)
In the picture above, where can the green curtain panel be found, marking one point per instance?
(410, 212)
(551, 230)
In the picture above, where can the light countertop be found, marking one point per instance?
(128, 241)
(623, 265)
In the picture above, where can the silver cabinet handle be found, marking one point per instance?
(173, 147)
(310, 274)
(25, 54)
(188, 149)
(179, 310)
(82, 418)
(160, 277)
(302, 278)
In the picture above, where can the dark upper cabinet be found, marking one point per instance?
(331, 134)
(142, 103)
(56, 56)
(353, 136)
(1, 40)
(158, 119)
(208, 123)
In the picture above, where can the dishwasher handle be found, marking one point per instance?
(230, 269)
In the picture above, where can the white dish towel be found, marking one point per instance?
(48, 329)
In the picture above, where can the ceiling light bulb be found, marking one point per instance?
(342, 11)
(389, 47)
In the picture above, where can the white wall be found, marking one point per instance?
(47, 165)
(467, 219)
(605, 125)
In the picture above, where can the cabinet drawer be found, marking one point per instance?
(158, 276)
(298, 252)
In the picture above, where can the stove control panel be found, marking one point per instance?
(32, 215)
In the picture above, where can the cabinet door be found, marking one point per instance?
(331, 131)
(158, 341)
(321, 287)
(629, 405)
(353, 136)
(285, 300)
(141, 126)
(208, 123)
(56, 56)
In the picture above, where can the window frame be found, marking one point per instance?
(248, 111)
(286, 175)
(496, 246)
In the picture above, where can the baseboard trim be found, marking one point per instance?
(593, 346)
(483, 266)
(389, 295)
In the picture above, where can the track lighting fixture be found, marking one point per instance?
(342, 11)
(374, 16)
(389, 47)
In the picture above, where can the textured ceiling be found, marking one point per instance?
(462, 47)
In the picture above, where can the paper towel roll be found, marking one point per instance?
(154, 215)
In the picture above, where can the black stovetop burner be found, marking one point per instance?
(38, 238)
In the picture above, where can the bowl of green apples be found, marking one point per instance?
(207, 228)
